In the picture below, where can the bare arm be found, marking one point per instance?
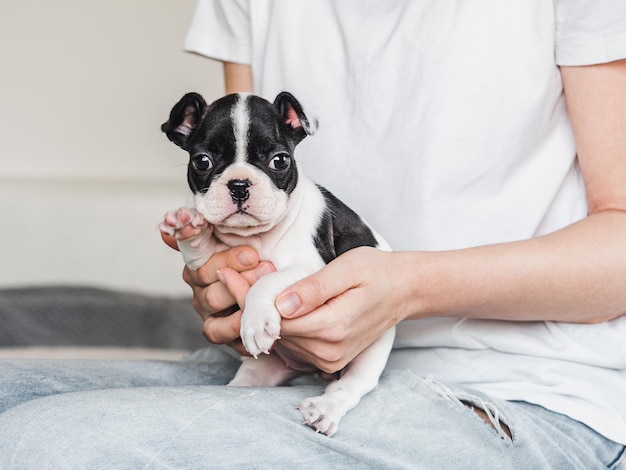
(237, 78)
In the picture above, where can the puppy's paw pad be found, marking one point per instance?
(321, 414)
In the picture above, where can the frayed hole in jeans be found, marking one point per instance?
(487, 411)
(492, 420)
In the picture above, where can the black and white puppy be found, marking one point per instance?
(247, 190)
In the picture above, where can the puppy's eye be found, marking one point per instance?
(202, 162)
(280, 161)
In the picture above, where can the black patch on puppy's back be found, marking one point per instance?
(340, 229)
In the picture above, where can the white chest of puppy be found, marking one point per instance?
(248, 191)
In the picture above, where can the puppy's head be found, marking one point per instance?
(241, 169)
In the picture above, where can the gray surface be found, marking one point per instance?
(86, 316)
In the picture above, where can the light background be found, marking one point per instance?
(85, 172)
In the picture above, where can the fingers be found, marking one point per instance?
(329, 359)
(222, 330)
(210, 296)
(241, 258)
(237, 345)
(236, 283)
(225, 330)
(315, 290)
(169, 240)
(214, 299)
(330, 323)
(334, 314)
(326, 337)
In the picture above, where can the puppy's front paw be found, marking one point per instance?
(322, 414)
(193, 233)
(183, 223)
(260, 328)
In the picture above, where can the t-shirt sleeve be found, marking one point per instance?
(220, 29)
(590, 32)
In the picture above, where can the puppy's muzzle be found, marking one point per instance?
(239, 190)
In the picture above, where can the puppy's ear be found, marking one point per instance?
(294, 116)
(184, 118)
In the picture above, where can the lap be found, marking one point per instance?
(403, 423)
(24, 380)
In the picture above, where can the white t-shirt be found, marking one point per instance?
(444, 125)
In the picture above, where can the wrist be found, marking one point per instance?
(414, 276)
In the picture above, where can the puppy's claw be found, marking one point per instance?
(275, 335)
(321, 414)
(166, 229)
(198, 220)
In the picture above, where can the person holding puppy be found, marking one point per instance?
(486, 142)
(489, 150)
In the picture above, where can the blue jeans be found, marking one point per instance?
(150, 414)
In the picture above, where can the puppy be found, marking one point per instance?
(247, 190)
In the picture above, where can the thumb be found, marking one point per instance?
(169, 240)
(236, 284)
(313, 291)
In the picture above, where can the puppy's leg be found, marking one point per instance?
(266, 371)
(260, 321)
(323, 413)
(193, 233)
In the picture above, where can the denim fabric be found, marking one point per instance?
(154, 415)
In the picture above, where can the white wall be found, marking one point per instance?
(85, 173)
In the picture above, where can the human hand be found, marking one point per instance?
(218, 305)
(334, 314)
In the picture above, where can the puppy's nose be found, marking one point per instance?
(239, 190)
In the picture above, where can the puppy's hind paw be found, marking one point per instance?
(321, 414)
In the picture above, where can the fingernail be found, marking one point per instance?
(288, 304)
(244, 258)
(262, 271)
(220, 277)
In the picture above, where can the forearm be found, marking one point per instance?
(574, 275)
(237, 78)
